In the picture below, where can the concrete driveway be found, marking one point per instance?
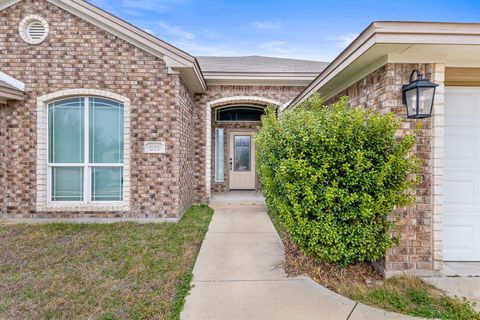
(239, 272)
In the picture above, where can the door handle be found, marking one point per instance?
(231, 164)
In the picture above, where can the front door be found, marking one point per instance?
(242, 161)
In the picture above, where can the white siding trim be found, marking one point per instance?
(8, 3)
(19, 85)
(437, 155)
(42, 204)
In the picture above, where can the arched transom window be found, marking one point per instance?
(85, 150)
(240, 113)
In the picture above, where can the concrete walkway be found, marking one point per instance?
(460, 279)
(239, 273)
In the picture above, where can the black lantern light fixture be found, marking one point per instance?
(418, 96)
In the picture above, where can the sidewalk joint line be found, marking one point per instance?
(350, 314)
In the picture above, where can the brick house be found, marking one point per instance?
(99, 119)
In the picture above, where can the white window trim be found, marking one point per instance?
(43, 203)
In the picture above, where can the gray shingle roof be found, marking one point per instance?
(254, 64)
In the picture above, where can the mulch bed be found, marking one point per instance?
(327, 274)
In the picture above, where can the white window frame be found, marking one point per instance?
(86, 165)
(44, 168)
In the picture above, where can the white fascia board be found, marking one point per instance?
(275, 79)
(7, 3)
(17, 84)
(394, 33)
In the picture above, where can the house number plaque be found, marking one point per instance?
(154, 146)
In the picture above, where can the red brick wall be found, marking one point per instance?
(186, 146)
(77, 54)
(382, 90)
(4, 114)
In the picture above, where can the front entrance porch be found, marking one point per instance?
(231, 161)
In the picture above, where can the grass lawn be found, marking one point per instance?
(99, 271)
(360, 282)
(411, 295)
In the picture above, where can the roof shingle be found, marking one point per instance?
(259, 64)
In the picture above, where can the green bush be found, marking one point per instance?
(333, 175)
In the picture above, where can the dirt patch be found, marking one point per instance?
(327, 274)
(362, 282)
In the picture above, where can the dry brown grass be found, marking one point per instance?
(109, 271)
(361, 282)
(327, 274)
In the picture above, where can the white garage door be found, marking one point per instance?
(461, 222)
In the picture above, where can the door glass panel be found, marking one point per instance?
(240, 113)
(242, 153)
(219, 155)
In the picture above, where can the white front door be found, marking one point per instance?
(242, 161)
(461, 221)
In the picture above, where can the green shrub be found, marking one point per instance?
(333, 175)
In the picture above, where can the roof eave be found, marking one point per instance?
(265, 79)
(11, 81)
(10, 94)
(393, 32)
(260, 75)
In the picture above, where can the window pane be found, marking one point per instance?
(67, 184)
(106, 131)
(107, 184)
(219, 163)
(240, 113)
(242, 153)
(65, 131)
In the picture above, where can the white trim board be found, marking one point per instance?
(17, 84)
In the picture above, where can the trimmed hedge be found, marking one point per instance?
(333, 175)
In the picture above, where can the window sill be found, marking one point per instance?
(84, 207)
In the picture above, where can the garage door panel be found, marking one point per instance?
(461, 195)
(461, 220)
(460, 244)
(464, 101)
(457, 150)
(463, 237)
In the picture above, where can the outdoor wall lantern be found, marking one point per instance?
(418, 96)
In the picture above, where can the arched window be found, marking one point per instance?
(240, 113)
(85, 150)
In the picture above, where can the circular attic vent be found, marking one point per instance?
(33, 29)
